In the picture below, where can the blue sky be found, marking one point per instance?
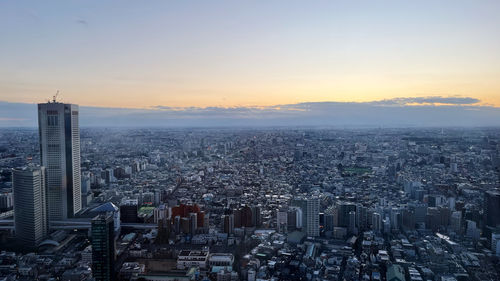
(247, 53)
(234, 60)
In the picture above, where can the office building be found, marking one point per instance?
(193, 223)
(352, 223)
(256, 216)
(492, 208)
(6, 201)
(103, 247)
(129, 211)
(495, 243)
(377, 222)
(282, 220)
(343, 211)
(60, 154)
(228, 223)
(313, 217)
(30, 213)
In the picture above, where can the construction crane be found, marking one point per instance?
(54, 98)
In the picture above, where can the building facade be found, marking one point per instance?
(313, 217)
(103, 247)
(60, 153)
(30, 213)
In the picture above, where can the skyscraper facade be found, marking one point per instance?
(313, 216)
(491, 212)
(30, 215)
(60, 153)
(492, 208)
(103, 247)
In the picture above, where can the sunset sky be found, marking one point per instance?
(247, 53)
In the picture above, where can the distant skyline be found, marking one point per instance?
(401, 112)
(249, 54)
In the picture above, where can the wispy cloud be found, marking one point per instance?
(431, 100)
(82, 22)
(308, 106)
(12, 119)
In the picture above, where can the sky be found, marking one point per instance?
(249, 54)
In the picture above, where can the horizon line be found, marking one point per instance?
(392, 102)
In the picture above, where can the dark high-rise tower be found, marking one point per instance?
(60, 155)
(491, 210)
(30, 214)
(103, 247)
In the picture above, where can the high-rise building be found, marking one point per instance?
(495, 243)
(60, 154)
(456, 222)
(313, 216)
(129, 211)
(292, 219)
(228, 223)
(492, 208)
(6, 201)
(103, 247)
(301, 204)
(85, 186)
(420, 212)
(344, 209)
(377, 222)
(408, 219)
(193, 223)
(329, 222)
(30, 213)
(246, 217)
(282, 220)
(256, 216)
(352, 223)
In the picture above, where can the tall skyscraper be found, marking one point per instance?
(491, 212)
(492, 208)
(30, 214)
(60, 154)
(103, 247)
(228, 223)
(313, 216)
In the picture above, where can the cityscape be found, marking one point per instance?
(247, 204)
(255, 140)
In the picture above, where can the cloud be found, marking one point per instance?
(82, 22)
(433, 100)
(399, 112)
(9, 119)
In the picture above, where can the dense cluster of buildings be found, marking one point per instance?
(234, 204)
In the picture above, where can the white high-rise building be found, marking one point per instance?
(313, 217)
(60, 155)
(30, 213)
(299, 223)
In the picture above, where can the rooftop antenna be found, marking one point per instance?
(54, 97)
